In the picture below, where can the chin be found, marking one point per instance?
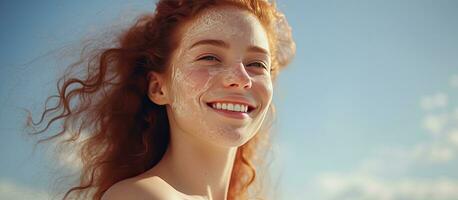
(233, 138)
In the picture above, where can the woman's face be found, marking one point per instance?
(219, 83)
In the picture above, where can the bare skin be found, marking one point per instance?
(236, 69)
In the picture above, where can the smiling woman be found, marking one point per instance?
(179, 108)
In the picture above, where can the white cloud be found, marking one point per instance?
(13, 191)
(435, 123)
(438, 100)
(384, 175)
(368, 187)
(67, 155)
(395, 161)
(377, 164)
(434, 153)
(454, 81)
(455, 115)
(453, 137)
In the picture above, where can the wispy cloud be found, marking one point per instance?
(435, 153)
(453, 137)
(435, 123)
(13, 191)
(66, 155)
(454, 81)
(384, 175)
(438, 100)
(368, 187)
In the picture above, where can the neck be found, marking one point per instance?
(196, 167)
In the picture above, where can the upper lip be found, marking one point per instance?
(234, 100)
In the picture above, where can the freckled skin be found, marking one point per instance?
(193, 82)
(203, 144)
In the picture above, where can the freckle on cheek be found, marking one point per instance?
(188, 86)
(199, 78)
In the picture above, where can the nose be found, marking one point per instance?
(237, 77)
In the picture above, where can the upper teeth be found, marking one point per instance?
(230, 106)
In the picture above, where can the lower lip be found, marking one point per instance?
(231, 114)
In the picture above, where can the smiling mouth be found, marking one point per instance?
(231, 107)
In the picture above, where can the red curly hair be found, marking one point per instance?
(128, 134)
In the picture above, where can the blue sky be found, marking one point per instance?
(367, 109)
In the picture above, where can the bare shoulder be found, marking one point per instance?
(152, 188)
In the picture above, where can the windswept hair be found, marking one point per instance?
(124, 132)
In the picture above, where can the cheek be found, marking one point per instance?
(189, 84)
(264, 88)
(199, 79)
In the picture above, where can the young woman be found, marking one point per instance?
(179, 108)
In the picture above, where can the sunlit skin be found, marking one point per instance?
(223, 56)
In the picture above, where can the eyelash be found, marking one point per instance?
(261, 64)
(214, 58)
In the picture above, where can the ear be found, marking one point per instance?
(156, 88)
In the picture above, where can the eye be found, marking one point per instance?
(258, 64)
(209, 58)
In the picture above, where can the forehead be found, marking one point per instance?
(225, 23)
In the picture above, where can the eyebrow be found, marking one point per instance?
(223, 44)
